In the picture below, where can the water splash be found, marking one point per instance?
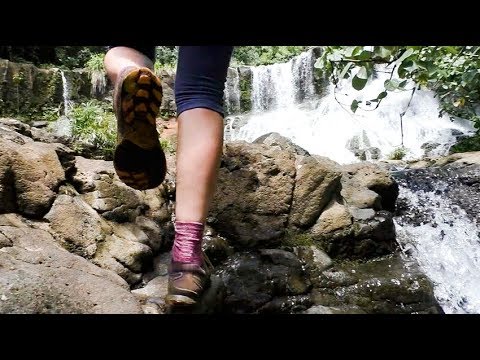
(326, 125)
(446, 245)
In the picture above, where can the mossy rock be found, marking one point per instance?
(25, 90)
(466, 145)
(245, 84)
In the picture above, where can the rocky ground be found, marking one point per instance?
(288, 232)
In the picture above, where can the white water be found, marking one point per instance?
(63, 126)
(326, 125)
(447, 249)
(272, 87)
(67, 104)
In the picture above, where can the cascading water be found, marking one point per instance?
(273, 87)
(326, 126)
(66, 94)
(433, 228)
(444, 240)
(63, 126)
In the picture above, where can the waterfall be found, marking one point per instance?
(303, 75)
(232, 91)
(66, 94)
(63, 126)
(445, 243)
(273, 87)
(284, 101)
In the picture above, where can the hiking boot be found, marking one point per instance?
(139, 160)
(187, 282)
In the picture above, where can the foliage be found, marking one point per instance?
(467, 144)
(167, 146)
(93, 123)
(453, 72)
(293, 238)
(158, 67)
(95, 63)
(398, 154)
(69, 57)
(264, 55)
(51, 112)
(166, 55)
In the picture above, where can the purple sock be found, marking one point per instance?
(187, 247)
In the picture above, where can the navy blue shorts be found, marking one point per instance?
(200, 76)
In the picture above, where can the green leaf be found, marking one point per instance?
(407, 67)
(345, 70)
(335, 56)
(365, 55)
(319, 63)
(382, 95)
(392, 84)
(382, 52)
(349, 50)
(405, 55)
(358, 83)
(354, 105)
(362, 73)
(451, 49)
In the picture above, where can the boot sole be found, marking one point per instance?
(139, 160)
(179, 300)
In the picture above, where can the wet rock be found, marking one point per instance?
(252, 280)
(316, 260)
(366, 175)
(216, 248)
(390, 285)
(287, 305)
(324, 310)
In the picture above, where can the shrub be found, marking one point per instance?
(95, 125)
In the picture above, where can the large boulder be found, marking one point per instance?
(111, 246)
(261, 280)
(366, 185)
(254, 193)
(38, 276)
(316, 183)
(30, 175)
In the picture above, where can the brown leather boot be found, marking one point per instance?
(187, 282)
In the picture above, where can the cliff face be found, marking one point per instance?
(29, 93)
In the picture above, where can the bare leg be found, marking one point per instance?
(200, 141)
(199, 86)
(120, 57)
